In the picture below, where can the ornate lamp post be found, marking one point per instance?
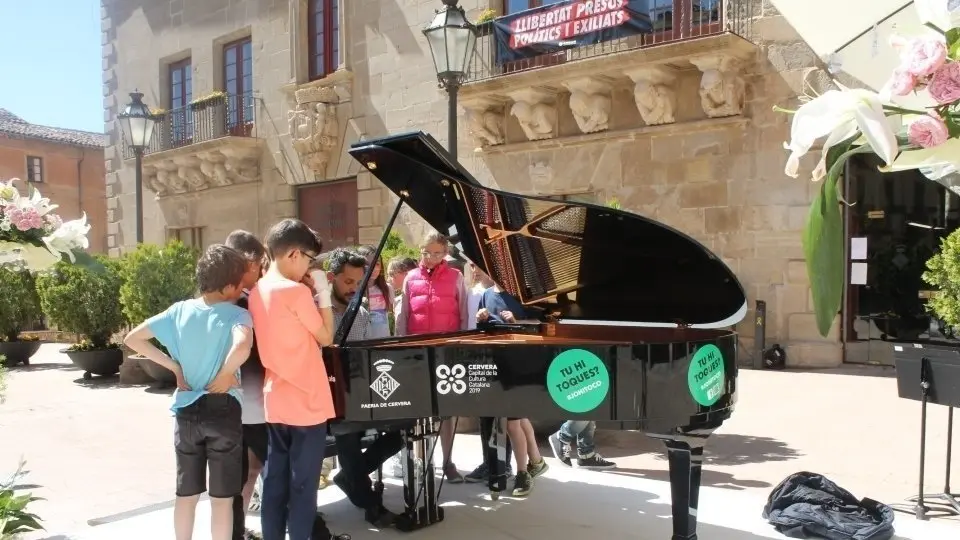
(137, 124)
(452, 40)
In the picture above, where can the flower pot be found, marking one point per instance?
(102, 362)
(156, 371)
(18, 352)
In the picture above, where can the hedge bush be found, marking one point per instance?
(84, 301)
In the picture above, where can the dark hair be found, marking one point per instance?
(219, 267)
(247, 244)
(342, 257)
(401, 264)
(381, 281)
(289, 235)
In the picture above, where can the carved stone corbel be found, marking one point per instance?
(188, 173)
(721, 86)
(590, 103)
(536, 110)
(485, 120)
(655, 93)
(314, 130)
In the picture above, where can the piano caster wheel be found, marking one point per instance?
(494, 495)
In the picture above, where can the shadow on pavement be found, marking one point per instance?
(710, 478)
(722, 448)
(45, 366)
(859, 370)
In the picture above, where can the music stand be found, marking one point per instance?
(930, 374)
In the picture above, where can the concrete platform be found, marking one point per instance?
(566, 503)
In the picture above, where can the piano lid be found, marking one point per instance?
(580, 263)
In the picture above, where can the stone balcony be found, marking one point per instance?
(208, 144)
(688, 70)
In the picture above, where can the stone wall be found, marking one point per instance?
(140, 39)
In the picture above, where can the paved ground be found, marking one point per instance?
(96, 449)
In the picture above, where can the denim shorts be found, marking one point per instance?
(209, 433)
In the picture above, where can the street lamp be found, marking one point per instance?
(452, 40)
(137, 123)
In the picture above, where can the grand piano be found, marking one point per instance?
(635, 329)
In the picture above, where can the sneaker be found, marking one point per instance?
(380, 517)
(595, 461)
(561, 450)
(536, 469)
(396, 467)
(482, 474)
(522, 485)
(452, 474)
(252, 535)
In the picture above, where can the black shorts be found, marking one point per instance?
(209, 432)
(255, 441)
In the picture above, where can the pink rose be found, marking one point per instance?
(901, 83)
(928, 131)
(923, 56)
(945, 84)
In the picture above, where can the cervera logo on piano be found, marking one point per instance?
(384, 386)
(461, 379)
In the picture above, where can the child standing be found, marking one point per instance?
(397, 272)
(434, 300)
(378, 296)
(208, 338)
(251, 381)
(290, 330)
(497, 305)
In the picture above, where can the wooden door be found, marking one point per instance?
(331, 210)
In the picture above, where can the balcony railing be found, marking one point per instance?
(673, 20)
(230, 115)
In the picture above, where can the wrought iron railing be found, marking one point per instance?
(673, 20)
(212, 118)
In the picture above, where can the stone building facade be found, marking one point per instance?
(65, 165)
(683, 131)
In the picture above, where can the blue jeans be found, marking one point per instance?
(581, 432)
(291, 478)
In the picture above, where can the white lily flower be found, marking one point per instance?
(839, 115)
(935, 12)
(68, 237)
(33, 257)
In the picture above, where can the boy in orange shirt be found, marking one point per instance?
(290, 329)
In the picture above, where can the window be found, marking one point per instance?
(238, 81)
(34, 169)
(189, 236)
(514, 6)
(323, 31)
(181, 93)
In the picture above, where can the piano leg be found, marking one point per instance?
(421, 507)
(686, 460)
(497, 461)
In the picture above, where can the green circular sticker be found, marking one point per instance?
(578, 381)
(706, 375)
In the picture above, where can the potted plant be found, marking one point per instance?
(19, 306)
(485, 22)
(86, 303)
(943, 272)
(155, 278)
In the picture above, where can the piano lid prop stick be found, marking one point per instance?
(351, 315)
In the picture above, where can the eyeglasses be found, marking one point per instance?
(432, 254)
(313, 258)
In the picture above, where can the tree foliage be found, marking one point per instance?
(82, 300)
(19, 304)
(155, 278)
(943, 272)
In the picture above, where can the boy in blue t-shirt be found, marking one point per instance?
(208, 339)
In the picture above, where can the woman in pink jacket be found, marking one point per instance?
(434, 300)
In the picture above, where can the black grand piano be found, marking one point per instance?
(635, 330)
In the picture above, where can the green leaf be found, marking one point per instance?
(823, 241)
(953, 42)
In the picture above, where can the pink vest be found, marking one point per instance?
(434, 300)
